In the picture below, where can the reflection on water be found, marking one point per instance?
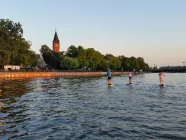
(86, 108)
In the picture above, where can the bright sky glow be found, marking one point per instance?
(152, 29)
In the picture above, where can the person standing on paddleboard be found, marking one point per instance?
(161, 78)
(130, 77)
(109, 77)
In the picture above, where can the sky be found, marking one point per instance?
(152, 29)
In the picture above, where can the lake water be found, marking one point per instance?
(86, 108)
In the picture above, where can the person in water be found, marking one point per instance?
(130, 77)
(161, 77)
(109, 77)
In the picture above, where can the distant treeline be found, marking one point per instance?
(80, 58)
(170, 69)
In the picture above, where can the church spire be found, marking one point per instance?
(55, 36)
(56, 43)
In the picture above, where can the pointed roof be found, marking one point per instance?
(55, 37)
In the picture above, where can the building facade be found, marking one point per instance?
(56, 43)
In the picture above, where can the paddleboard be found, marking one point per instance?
(110, 84)
(128, 84)
(161, 86)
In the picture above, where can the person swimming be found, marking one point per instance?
(109, 77)
(130, 77)
(161, 78)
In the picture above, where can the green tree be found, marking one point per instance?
(146, 67)
(4, 57)
(140, 63)
(14, 49)
(74, 63)
(115, 63)
(65, 63)
(46, 54)
(82, 57)
(53, 59)
(124, 64)
(44, 49)
(33, 58)
(132, 63)
(103, 65)
(108, 56)
(69, 63)
(93, 57)
(72, 51)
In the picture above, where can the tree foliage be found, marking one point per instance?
(72, 51)
(14, 49)
(69, 63)
(93, 58)
(51, 58)
(80, 58)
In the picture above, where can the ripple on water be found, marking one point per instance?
(86, 108)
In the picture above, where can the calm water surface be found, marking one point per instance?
(86, 108)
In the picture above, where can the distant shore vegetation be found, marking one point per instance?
(14, 49)
(81, 58)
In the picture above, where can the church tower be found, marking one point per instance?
(56, 43)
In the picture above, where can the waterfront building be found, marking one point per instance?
(11, 67)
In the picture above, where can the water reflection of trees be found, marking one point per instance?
(12, 88)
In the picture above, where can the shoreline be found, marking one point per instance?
(54, 74)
